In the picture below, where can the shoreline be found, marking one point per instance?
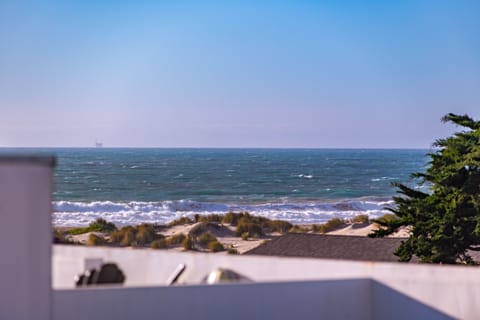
(295, 211)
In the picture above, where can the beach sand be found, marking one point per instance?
(226, 235)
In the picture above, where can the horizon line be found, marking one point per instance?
(225, 148)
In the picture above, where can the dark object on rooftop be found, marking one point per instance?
(331, 247)
(109, 273)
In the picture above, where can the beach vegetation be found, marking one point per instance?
(176, 239)
(181, 221)
(215, 246)
(244, 221)
(116, 236)
(129, 238)
(95, 240)
(159, 244)
(232, 218)
(280, 226)
(203, 227)
(445, 221)
(245, 236)
(255, 226)
(298, 229)
(125, 237)
(188, 243)
(99, 225)
(61, 237)
(211, 218)
(360, 219)
(232, 251)
(251, 225)
(331, 225)
(146, 233)
(385, 219)
(205, 238)
(139, 235)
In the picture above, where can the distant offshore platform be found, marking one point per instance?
(98, 144)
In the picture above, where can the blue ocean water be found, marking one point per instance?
(159, 185)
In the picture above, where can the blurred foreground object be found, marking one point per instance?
(176, 274)
(224, 276)
(109, 273)
(26, 188)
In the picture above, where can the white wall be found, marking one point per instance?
(388, 303)
(145, 267)
(25, 238)
(453, 290)
(328, 299)
(348, 299)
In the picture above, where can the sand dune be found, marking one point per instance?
(226, 234)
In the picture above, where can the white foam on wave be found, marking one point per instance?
(75, 213)
(383, 179)
(305, 176)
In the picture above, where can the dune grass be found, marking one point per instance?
(99, 225)
(176, 239)
(386, 218)
(215, 246)
(361, 219)
(159, 244)
(200, 237)
(137, 236)
(331, 225)
(95, 240)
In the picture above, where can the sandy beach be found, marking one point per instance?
(226, 235)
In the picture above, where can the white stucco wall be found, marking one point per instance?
(452, 290)
(349, 299)
(25, 237)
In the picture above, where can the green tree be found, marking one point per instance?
(445, 222)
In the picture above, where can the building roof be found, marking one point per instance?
(331, 247)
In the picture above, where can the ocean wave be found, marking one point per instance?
(77, 213)
(305, 176)
(383, 179)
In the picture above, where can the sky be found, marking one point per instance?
(307, 74)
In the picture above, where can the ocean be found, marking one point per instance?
(131, 186)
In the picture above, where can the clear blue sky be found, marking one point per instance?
(236, 73)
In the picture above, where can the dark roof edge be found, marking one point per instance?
(337, 236)
(320, 235)
(49, 161)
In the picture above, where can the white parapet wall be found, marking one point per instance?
(397, 290)
(349, 299)
(25, 237)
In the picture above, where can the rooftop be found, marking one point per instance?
(331, 247)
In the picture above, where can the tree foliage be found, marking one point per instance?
(445, 222)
